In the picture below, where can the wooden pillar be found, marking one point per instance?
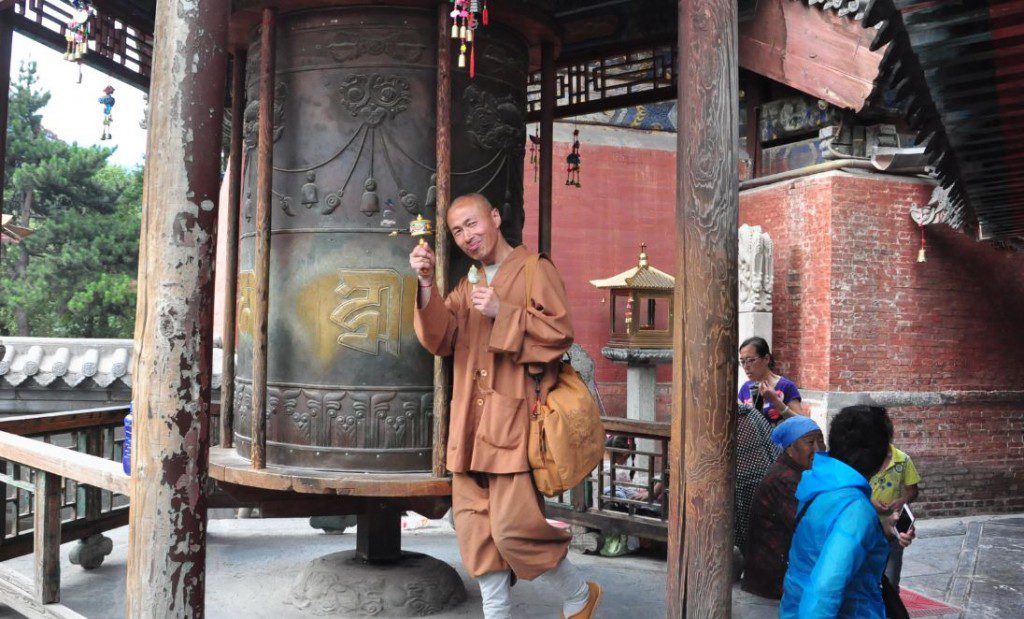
(547, 143)
(6, 35)
(702, 451)
(264, 185)
(442, 367)
(174, 320)
(230, 238)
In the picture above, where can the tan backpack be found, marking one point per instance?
(566, 434)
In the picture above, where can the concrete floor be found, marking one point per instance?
(976, 564)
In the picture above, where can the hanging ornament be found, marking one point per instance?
(486, 17)
(466, 18)
(920, 252)
(572, 161)
(77, 33)
(108, 105)
(535, 151)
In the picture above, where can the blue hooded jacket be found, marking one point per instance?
(838, 551)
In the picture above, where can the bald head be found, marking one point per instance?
(476, 200)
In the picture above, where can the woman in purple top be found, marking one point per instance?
(775, 396)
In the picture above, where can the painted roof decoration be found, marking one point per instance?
(642, 276)
(60, 363)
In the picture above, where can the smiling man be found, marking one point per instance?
(499, 343)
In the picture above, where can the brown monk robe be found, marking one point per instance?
(497, 343)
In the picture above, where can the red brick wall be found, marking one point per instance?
(952, 322)
(627, 197)
(796, 215)
(971, 457)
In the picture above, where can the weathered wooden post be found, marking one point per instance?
(173, 332)
(264, 192)
(230, 238)
(442, 367)
(547, 143)
(702, 453)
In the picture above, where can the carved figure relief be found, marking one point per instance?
(375, 97)
(369, 314)
(493, 123)
(755, 270)
(251, 116)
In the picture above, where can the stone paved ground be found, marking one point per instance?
(973, 563)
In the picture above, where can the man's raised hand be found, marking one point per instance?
(421, 259)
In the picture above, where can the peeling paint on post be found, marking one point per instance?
(173, 331)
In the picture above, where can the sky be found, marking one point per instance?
(74, 114)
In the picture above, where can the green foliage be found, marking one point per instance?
(82, 258)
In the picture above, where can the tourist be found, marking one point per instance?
(497, 342)
(774, 395)
(755, 455)
(773, 512)
(839, 551)
(892, 488)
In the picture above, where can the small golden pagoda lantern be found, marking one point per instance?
(640, 306)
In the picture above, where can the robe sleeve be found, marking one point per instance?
(538, 334)
(436, 323)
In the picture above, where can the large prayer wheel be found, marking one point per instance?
(349, 387)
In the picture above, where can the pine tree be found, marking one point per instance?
(74, 277)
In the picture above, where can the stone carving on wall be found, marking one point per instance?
(937, 211)
(755, 270)
(370, 313)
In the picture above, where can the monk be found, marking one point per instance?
(500, 345)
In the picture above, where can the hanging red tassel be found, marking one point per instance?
(486, 18)
(472, 61)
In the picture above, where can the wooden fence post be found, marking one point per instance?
(46, 537)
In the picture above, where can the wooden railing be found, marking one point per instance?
(595, 504)
(61, 479)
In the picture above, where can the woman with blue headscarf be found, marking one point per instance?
(773, 510)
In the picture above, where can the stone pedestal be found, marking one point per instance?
(641, 385)
(343, 584)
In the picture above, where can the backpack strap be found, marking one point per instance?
(800, 516)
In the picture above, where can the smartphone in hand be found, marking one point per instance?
(906, 520)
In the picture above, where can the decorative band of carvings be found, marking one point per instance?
(342, 417)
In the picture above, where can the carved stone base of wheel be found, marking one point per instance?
(345, 585)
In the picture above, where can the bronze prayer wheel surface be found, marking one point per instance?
(349, 387)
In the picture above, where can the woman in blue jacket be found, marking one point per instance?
(839, 551)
